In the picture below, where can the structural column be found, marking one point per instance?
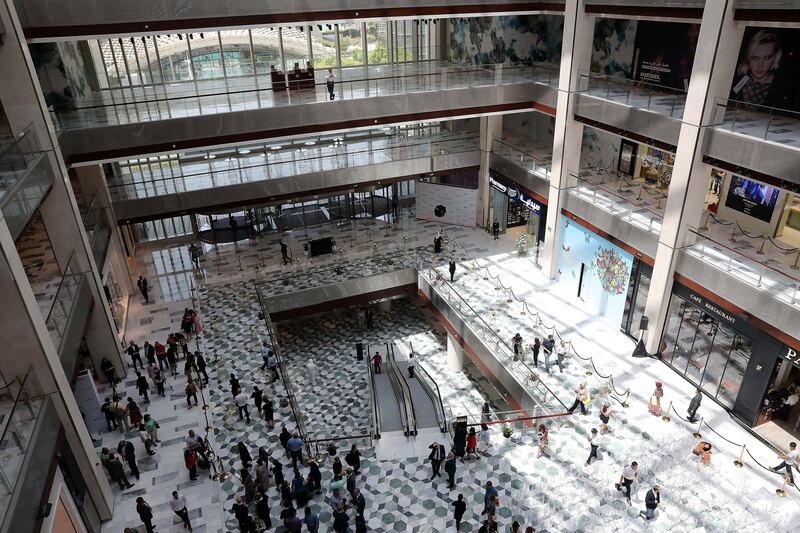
(712, 72)
(455, 354)
(576, 52)
(491, 127)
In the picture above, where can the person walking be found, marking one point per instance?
(516, 341)
(315, 476)
(655, 400)
(117, 472)
(486, 416)
(376, 361)
(128, 452)
(284, 437)
(244, 454)
(459, 508)
(547, 349)
(191, 393)
(285, 253)
(537, 345)
(265, 351)
(141, 283)
(108, 370)
(142, 386)
(262, 509)
(145, 513)
(350, 481)
(411, 364)
(543, 436)
(330, 81)
(161, 355)
(340, 520)
(651, 501)
(789, 462)
(369, 315)
(496, 229)
(452, 269)
(258, 398)
(605, 416)
(194, 253)
(561, 353)
(581, 398)
(277, 473)
(269, 412)
(436, 456)
(200, 363)
(489, 495)
(178, 505)
(295, 447)
(146, 439)
(472, 443)
(594, 443)
(159, 380)
(133, 412)
(149, 352)
(359, 502)
(694, 405)
(134, 352)
(190, 461)
(450, 469)
(353, 458)
(630, 474)
(151, 426)
(311, 372)
(311, 520)
(108, 413)
(241, 399)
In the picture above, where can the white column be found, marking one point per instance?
(455, 354)
(576, 50)
(712, 72)
(491, 127)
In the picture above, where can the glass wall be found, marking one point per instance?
(323, 45)
(711, 354)
(237, 54)
(164, 228)
(350, 44)
(206, 55)
(377, 42)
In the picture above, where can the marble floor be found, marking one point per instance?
(550, 492)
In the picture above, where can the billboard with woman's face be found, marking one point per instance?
(767, 69)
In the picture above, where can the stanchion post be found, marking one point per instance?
(796, 264)
(697, 434)
(239, 258)
(733, 233)
(704, 227)
(738, 462)
(218, 270)
(666, 417)
(641, 188)
(763, 243)
(782, 491)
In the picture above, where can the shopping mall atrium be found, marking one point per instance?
(419, 265)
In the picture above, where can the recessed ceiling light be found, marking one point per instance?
(244, 151)
(209, 156)
(310, 143)
(276, 147)
(264, 154)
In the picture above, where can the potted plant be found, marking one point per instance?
(331, 449)
(507, 431)
(534, 377)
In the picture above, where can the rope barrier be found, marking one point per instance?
(718, 221)
(747, 234)
(781, 247)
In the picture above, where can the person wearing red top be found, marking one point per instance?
(134, 413)
(377, 360)
(472, 443)
(161, 355)
(190, 457)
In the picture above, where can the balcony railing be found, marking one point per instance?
(762, 122)
(643, 95)
(25, 178)
(142, 107)
(522, 159)
(98, 230)
(20, 405)
(63, 303)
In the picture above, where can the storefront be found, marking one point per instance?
(720, 351)
(636, 299)
(514, 208)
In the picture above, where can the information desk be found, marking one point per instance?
(278, 80)
(301, 79)
(320, 246)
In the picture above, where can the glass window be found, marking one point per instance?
(295, 47)
(323, 44)
(350, 43)
(118, 62)
(377, 50)
(702, 345)
(718, 358)
(266, 49)
(206, 55)
(95, 49)
(147, 56)
(236, 53)
(732, 378)
(174, 54)
(685, 338)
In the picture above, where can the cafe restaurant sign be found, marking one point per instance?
(737, 322)
(530, 204)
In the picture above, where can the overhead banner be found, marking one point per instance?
(530, 204)
(664, 53)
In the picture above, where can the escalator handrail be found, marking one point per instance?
(410, 411)
(398, 395)
(438, 405)
(376, 410)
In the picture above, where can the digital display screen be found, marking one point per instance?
(752, 198)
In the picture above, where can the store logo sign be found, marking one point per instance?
(497, 185)
(529, 203)
(792, 356)
(713, 309)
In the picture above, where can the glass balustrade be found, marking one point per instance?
(657, 98)
(762, 122)
(522, 159)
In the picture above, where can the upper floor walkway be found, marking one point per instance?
(126, 122)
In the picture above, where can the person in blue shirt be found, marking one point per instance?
(489, 495)
(311, 520)
(295, 447)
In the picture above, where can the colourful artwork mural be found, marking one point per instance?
(593, 272)
(505, 39)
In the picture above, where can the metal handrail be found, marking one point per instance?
(616, 80)
(376, 410)
(411, 412)
(436, 397)
(398, 395)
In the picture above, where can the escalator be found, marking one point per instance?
(389, 404)
(425, 398)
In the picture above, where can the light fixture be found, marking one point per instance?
(264, 154)
(310, 143)
(434, 21)
(209, 156)
(319, 26)
(329, 26)
(276, 147)
(243, 151)
(201, 35)
(143, 39)
(191, 36)
(180, 36)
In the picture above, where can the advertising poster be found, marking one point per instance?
(664, 53)
(752, 198)
(767, 68)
